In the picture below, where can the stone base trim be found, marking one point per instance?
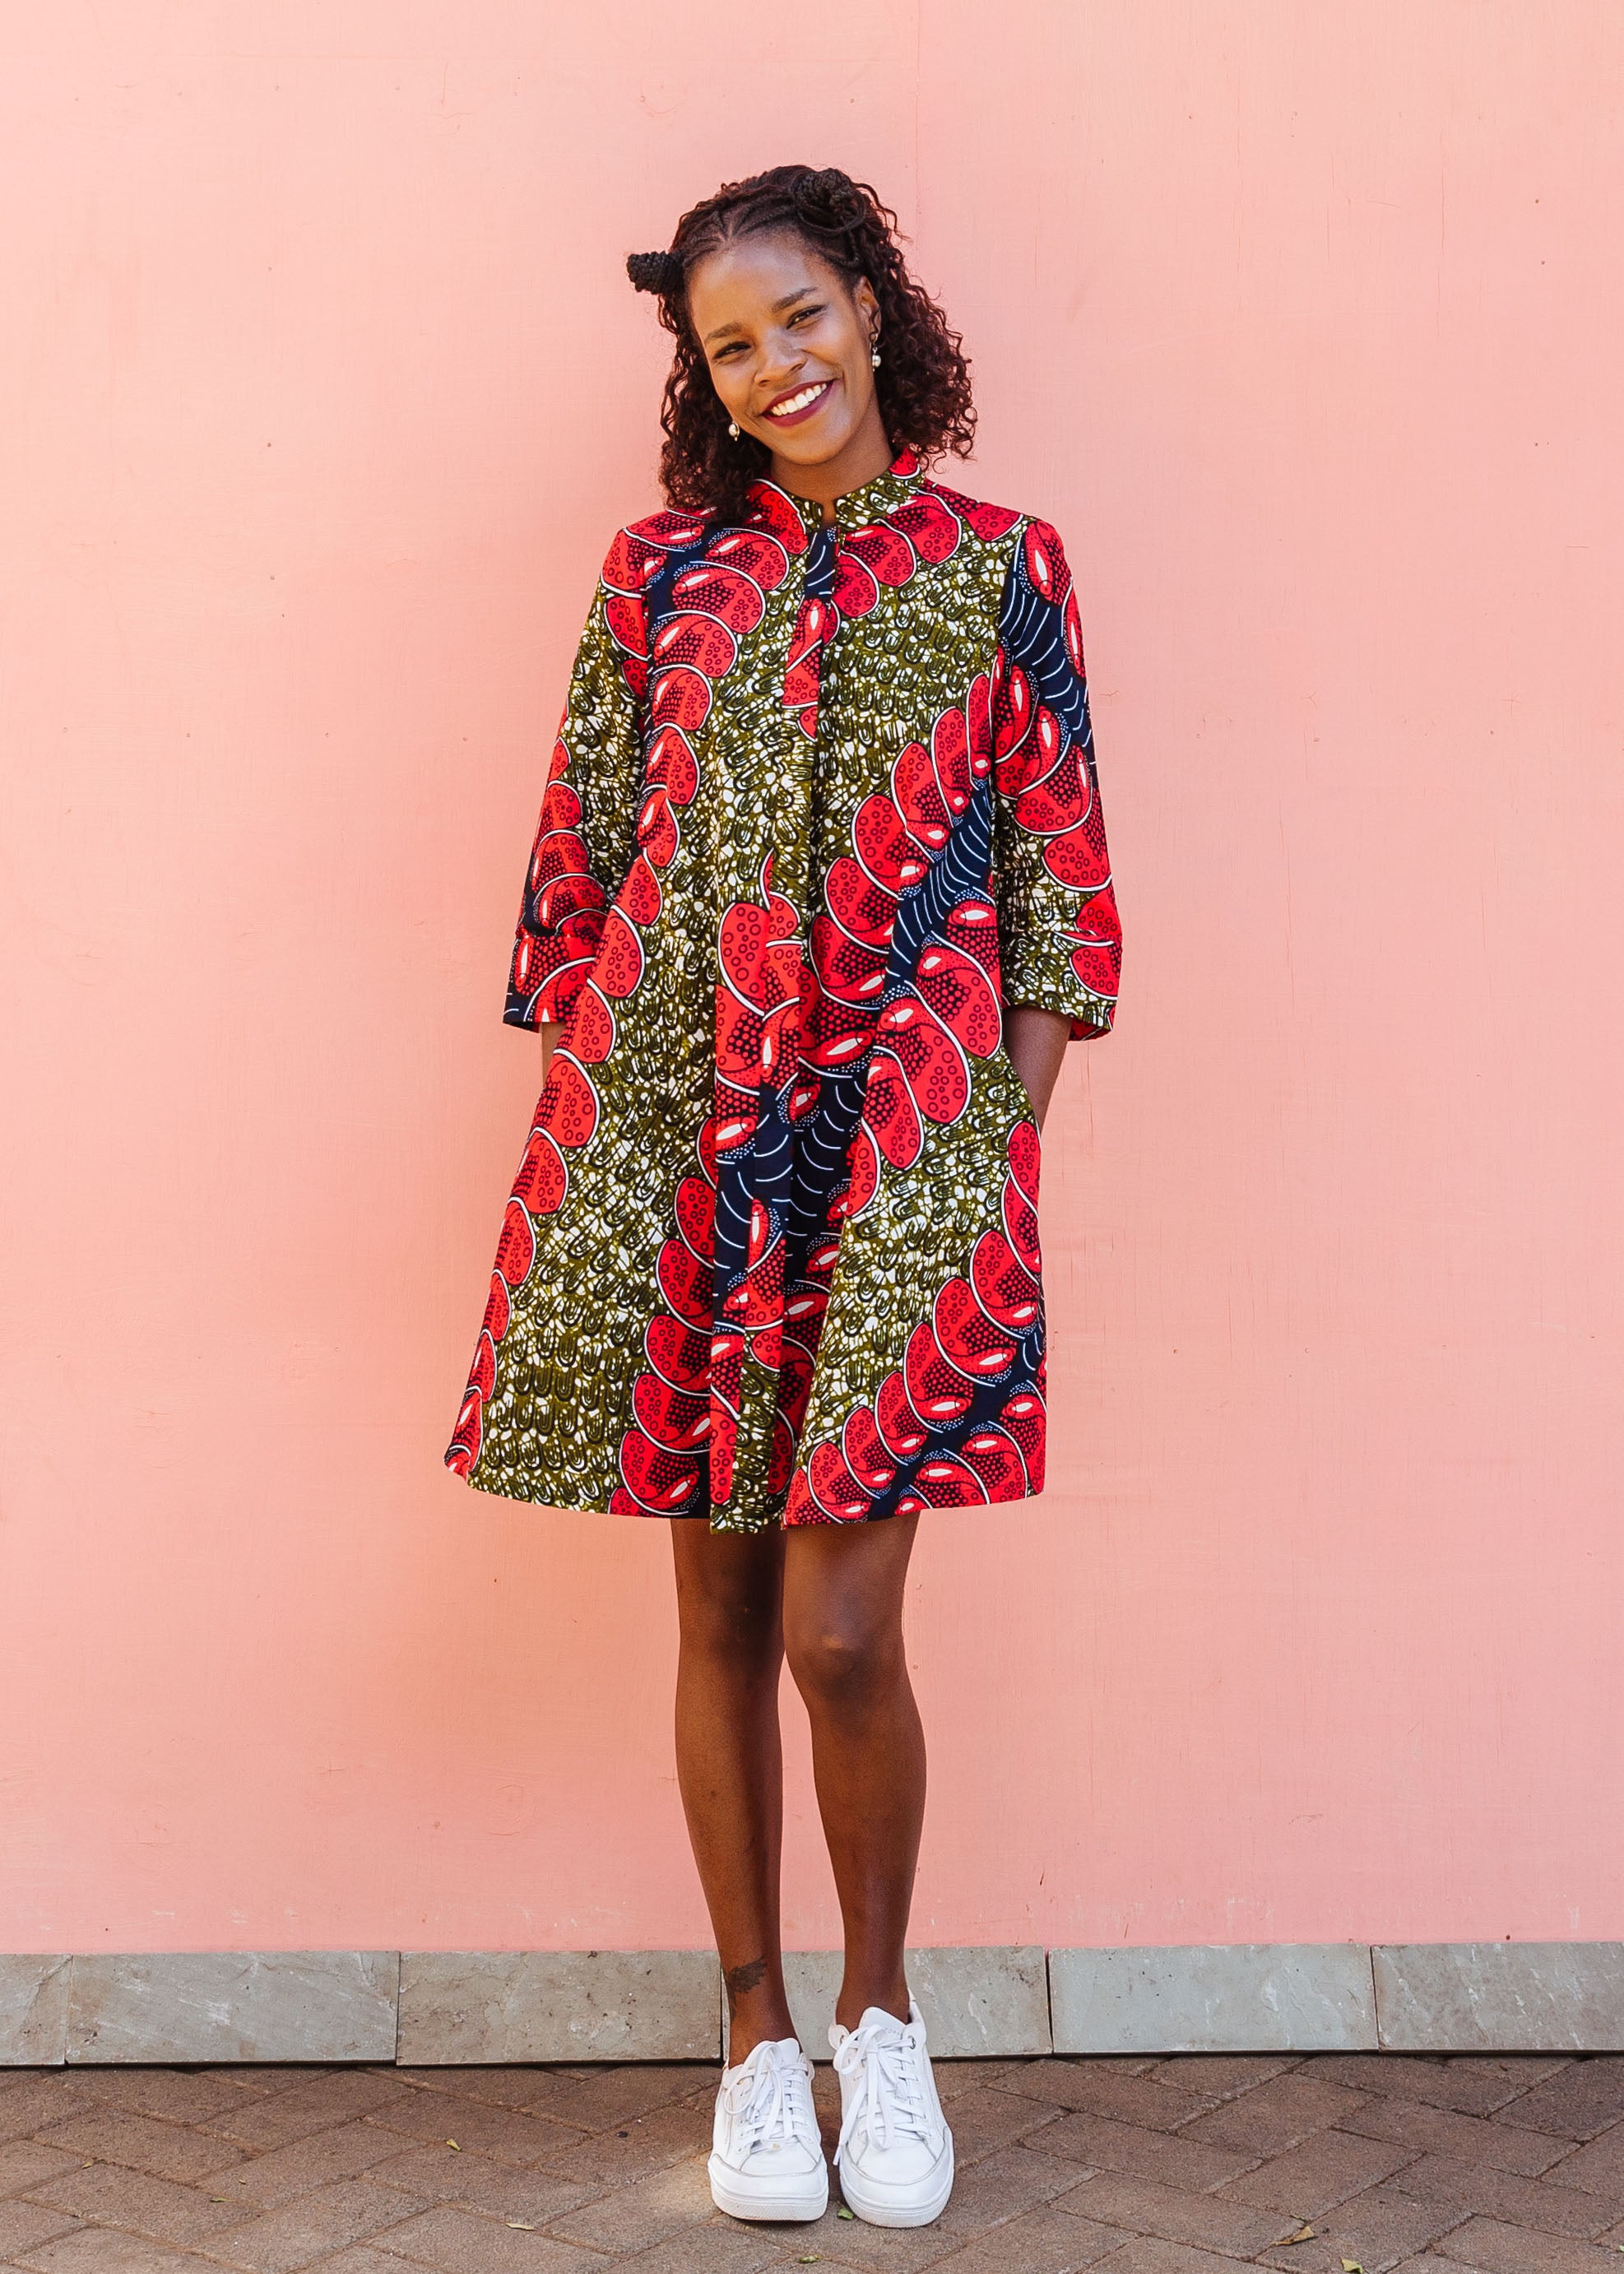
(236, 2005)
(34, 2011)
(480, 2006)
(978, 2003)
(435, 2007)
(1229, 1998)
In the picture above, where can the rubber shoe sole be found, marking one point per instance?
(732, 2193)
(878, 2212)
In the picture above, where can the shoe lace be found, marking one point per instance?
(893, 2100)
(769, 2096)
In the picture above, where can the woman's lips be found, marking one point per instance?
(807, 401)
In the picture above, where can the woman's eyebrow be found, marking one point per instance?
(801, 292)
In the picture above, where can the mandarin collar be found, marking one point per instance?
(866, 503)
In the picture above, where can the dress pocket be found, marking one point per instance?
(1026, 1095)
(1021, 1108)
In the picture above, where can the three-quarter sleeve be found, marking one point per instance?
(585, 839)
(1059, 937)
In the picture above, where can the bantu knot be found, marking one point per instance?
(831, 194)
(654, 271)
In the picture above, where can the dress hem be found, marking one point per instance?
(723, 1530)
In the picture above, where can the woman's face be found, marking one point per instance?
(789, 344)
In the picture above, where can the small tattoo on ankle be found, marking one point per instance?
(742, 1979)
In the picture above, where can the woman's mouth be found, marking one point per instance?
(790, 409)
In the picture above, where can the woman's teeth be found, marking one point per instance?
(794, 403)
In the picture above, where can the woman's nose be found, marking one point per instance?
(781, 360)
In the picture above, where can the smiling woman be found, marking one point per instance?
(799, 275)
(783, 316)
(819, 895)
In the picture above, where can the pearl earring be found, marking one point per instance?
(874, 358)
(733, 430)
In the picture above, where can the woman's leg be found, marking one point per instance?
(730, 1761)
(843, 1634)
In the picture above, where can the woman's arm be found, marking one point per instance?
(548, 1031)
(585, 835)
(1036, 1041)
(1059, 940)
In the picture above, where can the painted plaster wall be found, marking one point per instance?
(322, 395)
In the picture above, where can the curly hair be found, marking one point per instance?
(923, 383)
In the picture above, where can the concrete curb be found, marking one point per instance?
(440, 2007)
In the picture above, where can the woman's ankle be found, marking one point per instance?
(757, 2007)
(856, 1996)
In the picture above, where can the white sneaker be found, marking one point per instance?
(896, 2153)
(767, 2158)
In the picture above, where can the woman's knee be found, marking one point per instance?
(730, 1608)
(844, 1663)
(737, 1631)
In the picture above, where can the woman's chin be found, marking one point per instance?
(802, 447)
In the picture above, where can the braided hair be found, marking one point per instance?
(923, 384)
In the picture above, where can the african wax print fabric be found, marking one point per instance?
(824, 800)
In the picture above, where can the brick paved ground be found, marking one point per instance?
(1190, 2165)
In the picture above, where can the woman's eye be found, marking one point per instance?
(800, 313)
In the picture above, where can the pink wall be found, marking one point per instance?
(321, 395)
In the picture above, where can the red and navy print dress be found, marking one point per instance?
(823, 803)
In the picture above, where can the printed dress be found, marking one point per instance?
(822, 802)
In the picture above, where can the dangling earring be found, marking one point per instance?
(874, 358)
(733, 430)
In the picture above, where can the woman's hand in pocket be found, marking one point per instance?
(1036, 1043)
